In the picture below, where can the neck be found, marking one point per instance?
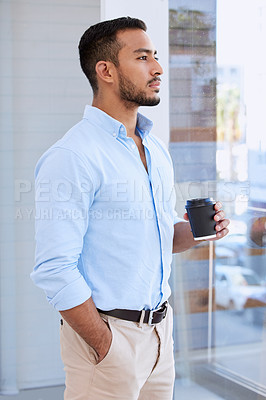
(119, 110)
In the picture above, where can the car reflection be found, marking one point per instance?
(238, 288)
(230, 250)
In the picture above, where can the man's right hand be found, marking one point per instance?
(87, 322)
(106, 344)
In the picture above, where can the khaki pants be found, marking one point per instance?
(138, 366)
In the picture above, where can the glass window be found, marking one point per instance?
(218, 146)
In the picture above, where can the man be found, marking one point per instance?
(103, 255)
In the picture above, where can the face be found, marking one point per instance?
(139, 71)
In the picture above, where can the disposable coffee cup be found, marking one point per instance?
(200, 214)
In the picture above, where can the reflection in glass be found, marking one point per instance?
(218, 146)
(241, 166)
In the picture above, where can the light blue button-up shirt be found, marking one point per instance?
(104, 226)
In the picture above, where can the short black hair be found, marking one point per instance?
(99, 42)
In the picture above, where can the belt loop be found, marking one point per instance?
(140, 323)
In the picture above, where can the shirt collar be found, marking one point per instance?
(114, 127)
(144, 125)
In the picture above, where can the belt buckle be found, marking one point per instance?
(163, 306)
(151, 317)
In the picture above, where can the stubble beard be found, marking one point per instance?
(132, 96)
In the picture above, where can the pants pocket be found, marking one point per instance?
(111, 349)
(74, 349)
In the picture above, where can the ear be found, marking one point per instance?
(105, 71)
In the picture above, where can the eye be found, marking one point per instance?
(156, 58)
(143, 58)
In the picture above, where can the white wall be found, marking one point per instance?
(155, 14)
(43, 94)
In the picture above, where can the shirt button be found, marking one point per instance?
(114, 134)
(133, 146)
(122, 129)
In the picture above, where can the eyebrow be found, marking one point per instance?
(143, 50)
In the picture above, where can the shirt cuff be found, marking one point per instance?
(71, 295)
(177, 219)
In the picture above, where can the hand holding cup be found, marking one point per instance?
(207, 219)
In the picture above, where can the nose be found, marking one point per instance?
(157, 68)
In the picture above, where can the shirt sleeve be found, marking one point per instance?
(64, 194)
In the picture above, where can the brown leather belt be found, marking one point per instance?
(150, 317)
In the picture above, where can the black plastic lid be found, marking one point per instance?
(200, 202)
